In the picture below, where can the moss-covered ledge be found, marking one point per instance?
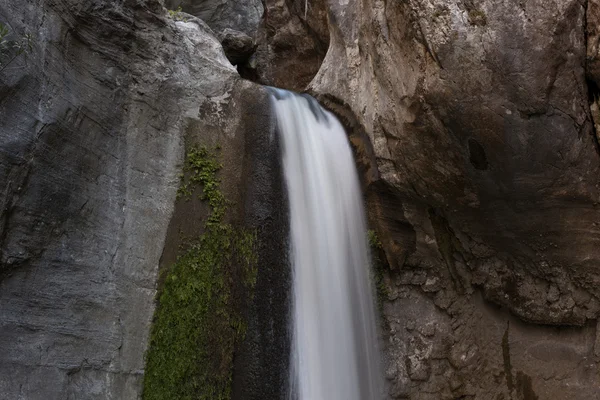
(198, 321)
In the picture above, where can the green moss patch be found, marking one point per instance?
(377, 255)
(197, 323)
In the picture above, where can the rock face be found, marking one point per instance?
(474, 133)
(240, 15)
(238, 46)
(473, 123)
(292, 42)
(92, 137)
(235, 23)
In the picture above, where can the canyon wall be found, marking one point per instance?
(94, 122)
(474, 132)
(474, 127)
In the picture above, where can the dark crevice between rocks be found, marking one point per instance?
(380, 268)
(592, 85)
(506, 359)
(477, 155)
(386, 212)
(321, 41)
(594, 104)
(451, 251)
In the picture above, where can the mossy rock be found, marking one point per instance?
(197, 323)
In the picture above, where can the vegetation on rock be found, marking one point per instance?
(378, 267)
(197, 323)
(176, 14)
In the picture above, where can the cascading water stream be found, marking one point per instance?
(334, 338)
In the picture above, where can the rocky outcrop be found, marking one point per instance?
(93, 127)
(235, 23)
(238, 46)
(239, 15)
(474, 133)
(292, 41)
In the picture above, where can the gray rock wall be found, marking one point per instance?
(239, 15)
(92, 133)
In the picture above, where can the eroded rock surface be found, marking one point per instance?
(240, 15)
(237, 45)
(292, 41)
(473, 129)
(483, 181)
(92, 137)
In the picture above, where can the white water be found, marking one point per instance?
(334, 340)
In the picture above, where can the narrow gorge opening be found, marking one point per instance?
(333, 323)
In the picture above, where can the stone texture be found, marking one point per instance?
(593, 60)
(292, 41)
(252, 183)
(472, 124)
(262, 361)
(92, 141)
(237, 45)
(593, 40)
(240, 15)
(474, 135)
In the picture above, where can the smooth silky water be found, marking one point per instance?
(334, 337)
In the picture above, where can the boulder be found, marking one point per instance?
(240, 15)
(237, 45)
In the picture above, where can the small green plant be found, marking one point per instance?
(373, 240)
(200, 169)
(177, 14)
(11, 49)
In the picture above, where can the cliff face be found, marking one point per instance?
(482, 176)
(92, 131)
(242, 15)
(474, 129)
(291, 44)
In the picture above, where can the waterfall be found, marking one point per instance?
(334, 338)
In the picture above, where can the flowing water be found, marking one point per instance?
(334, 338)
